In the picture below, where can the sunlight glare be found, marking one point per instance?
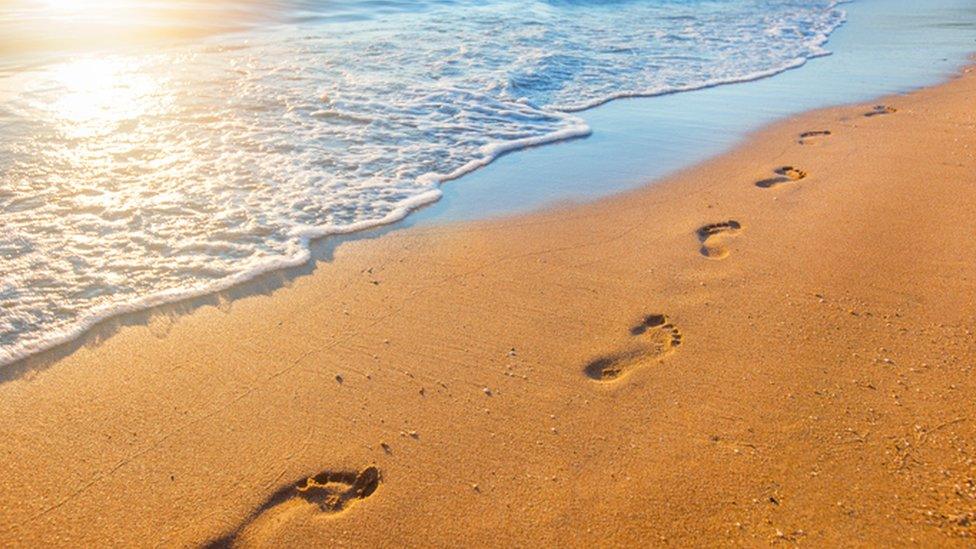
(97, 94)
(103, 7)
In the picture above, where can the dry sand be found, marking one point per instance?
(705, 361)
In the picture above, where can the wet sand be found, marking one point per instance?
(775, 346)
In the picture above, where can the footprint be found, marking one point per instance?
(654, 337)
(786, 174)
(328, 493)
(812, 137)
(880, 110)
(711, 238)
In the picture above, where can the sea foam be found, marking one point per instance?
(135, 178)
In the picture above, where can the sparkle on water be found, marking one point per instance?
(143, 174)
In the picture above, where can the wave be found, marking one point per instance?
(141, 178)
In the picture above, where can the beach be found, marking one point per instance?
(773, 346)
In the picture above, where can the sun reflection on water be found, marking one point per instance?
(31, 27)
(114, 7)
(95, 95)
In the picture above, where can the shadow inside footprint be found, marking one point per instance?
(879, 110)
(656, 337)
(785, 174)
(329, 492)
(710, 236)
(333, 491)
(810, 138)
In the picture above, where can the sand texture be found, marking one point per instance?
(775, 346)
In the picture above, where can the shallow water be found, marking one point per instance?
(885, 47)
(152, 151)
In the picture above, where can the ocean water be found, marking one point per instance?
(885, 47)
(149, 154)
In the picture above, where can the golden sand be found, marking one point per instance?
(777, 345)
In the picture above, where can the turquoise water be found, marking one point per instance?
(885, 47)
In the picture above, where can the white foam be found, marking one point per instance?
(138, 179)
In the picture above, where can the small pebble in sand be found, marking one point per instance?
(338, 378)
(475, 487)
(413, 434)
(487, 391)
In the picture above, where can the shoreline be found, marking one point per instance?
(311, 237)
(529, 176)
(805, 380)
(34, 329)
